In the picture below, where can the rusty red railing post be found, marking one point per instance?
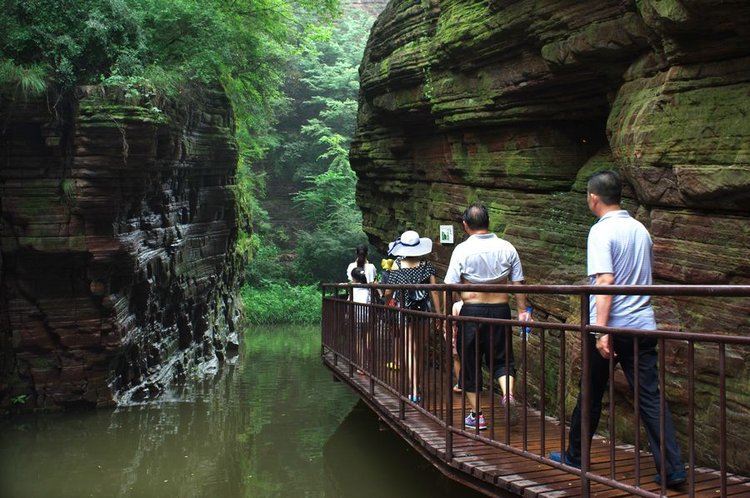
(508, 339)
(637, 408)
(561, 390)
(335, 327)
(722, 419)
(478, 375)
(404, 365)
(691, 418)
(611, 425)
(351, 330)
(372, 329)
(585, 395)
(447, 309)
(524, 381)
(662, 416)
(322, 318)
(492, 381)
(542, 392)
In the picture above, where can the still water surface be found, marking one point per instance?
(271, 424)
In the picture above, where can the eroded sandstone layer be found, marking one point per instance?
(517, 102)
(117, 246)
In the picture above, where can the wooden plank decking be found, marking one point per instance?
(499, 473)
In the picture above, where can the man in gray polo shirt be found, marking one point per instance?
(484, 258)
(620, 253)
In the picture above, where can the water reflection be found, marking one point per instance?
(273, 424)
(367, 462)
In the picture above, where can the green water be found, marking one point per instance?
(271, 424)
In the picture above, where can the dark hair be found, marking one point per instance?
(607, 185)
(477, 217)
(358, 275)
(361, 255)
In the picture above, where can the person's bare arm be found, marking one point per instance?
(521, 304)
(435, 296)
(603, 306)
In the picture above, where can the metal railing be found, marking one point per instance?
(405, 351)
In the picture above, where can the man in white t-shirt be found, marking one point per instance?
(620, 253)
(484, 258)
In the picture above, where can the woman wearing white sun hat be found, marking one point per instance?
(411, 268)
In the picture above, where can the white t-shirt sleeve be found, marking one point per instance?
(598, 252)
(457, 308)
(349, 272)
(453, 275)
(516, 271)
(371, 273)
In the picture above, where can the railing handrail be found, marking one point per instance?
(631, 290)
(713, 337)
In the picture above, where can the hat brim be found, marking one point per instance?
(424, 247)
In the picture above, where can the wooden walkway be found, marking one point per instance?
(495, 472)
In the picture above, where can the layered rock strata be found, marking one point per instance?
(117, 245)
(516, 103)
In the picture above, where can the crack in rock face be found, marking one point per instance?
(118, 230)
(517, 103)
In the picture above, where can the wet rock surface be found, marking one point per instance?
(117, 245)
(516, 103)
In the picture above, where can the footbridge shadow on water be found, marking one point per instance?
(364, 458)
(379, 350)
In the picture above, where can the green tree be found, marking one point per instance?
(313, 150)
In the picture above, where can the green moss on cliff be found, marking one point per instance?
(474, 164)
(100, 111)
(462, 20)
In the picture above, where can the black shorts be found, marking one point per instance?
(491, 341)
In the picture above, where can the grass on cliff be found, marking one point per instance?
(280, 302)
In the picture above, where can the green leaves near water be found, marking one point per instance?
(280, 302)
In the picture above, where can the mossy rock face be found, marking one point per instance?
(682, 138)
(116, 245)
(516, 104)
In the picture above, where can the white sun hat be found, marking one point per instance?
(410, 244)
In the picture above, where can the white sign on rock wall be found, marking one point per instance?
(446, 234)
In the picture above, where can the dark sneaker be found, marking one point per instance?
(674, 479)
(556, 456)
(471, 422)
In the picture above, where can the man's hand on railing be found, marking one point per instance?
(604, 345)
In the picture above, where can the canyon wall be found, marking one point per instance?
(118, 270)
(516, 102)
